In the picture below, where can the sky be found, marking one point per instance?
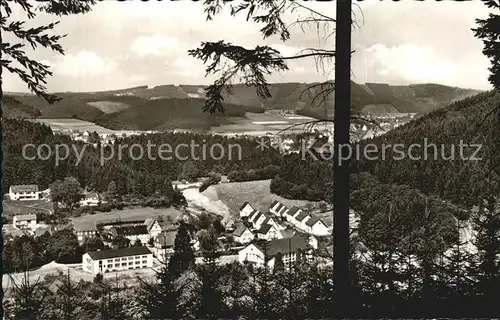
(133, 43)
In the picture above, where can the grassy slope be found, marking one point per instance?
(257, 193)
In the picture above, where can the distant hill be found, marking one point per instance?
(171, 113)
(12, 108)
(168, 106)
(442, 170)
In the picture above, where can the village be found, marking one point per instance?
(146, 241)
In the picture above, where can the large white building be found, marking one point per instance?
(24, 192)
(90, 199)
(100, 262)
(25, 221)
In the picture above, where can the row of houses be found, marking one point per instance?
(300, 219)
(267, 224)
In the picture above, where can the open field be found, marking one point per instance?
(257, 193)
(74, 124)
(262, 123)
(108, 106)
(12, 208)
(126, 214)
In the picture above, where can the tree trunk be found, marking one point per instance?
(341, 164)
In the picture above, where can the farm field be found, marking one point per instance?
(126, 214)
(12, 208)
(257, 193)
(262, 123)
(74, 124)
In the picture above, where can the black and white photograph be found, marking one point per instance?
(250, 159)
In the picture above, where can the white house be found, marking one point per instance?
(243, 234)
(246, 209)
(24, 192)
(257, 218)
(90, 199)
(278, 209)
(269, 232)
(164, 245)
(254, 252)
(25, 221)
(85, 231)
(316, 227)
(100, 262)
(300, 220)
(153, 227)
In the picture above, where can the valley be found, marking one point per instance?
(170, 107)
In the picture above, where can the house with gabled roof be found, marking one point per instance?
(316, 226)
(278, 209)
(272, 221)
(164, 244)
(268, 232)
(246, 209)
(153, 227)
(292, 213)
(90, 199)
(289, 249)
(25, 221)
(24, 192)
(243, 234)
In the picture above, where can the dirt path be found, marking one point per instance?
(194, 197)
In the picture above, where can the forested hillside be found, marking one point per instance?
(132, 174)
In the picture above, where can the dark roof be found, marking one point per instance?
(293, 211)
(25, 217)
(264, 228)
(239, 230)
(121, 222)
(252, 215)
(280, 207)
(274, 203)
(257, 216)
(123, 252)
(313, 220)
(301, 216)
(91, 195)
(244, 205)
(285, 246)
(24, 188)
(41, 231)
(131, 230)
(166, 239)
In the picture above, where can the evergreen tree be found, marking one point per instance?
(487, 225)
(159, 300)
(28, 300)
(183, 257)
(67, 302)
(211, 301)
(279, 265)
